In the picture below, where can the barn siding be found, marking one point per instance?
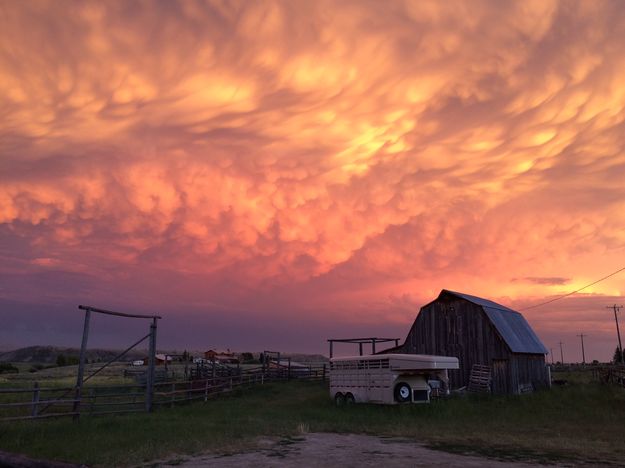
(451, 326)
(531, 370)
(456, 328)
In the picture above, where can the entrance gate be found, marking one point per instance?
(149, 388)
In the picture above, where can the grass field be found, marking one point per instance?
(581, 422)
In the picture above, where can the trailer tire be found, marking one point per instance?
(403, 393)
(339, 399)
(349, 399)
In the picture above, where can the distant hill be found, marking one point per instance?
(49, 354)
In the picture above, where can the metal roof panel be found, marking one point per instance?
(515, 330)
(510, 324)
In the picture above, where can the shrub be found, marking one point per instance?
(8, 368)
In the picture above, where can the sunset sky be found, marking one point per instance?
(267, 175)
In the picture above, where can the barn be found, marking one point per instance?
(479, 331)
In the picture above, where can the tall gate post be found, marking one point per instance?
(81, 365)
(149, 387)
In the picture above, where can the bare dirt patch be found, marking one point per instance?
(323, 450)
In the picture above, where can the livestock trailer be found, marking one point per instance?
(389, 378)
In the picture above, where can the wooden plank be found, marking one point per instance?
(38, 403)
(100, 413)
(480, 379)
(30, 390)
(35, 402)
(117, 403)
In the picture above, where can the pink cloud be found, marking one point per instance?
(271, 159)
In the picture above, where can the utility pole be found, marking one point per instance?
(618, 332)
(561, 353)
(581, 335)
(551, 349)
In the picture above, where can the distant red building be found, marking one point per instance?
(221, 356)
(160, 360)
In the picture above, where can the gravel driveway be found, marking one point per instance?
(341, 450)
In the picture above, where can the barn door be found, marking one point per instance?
(501, 371)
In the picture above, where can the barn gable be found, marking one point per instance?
(511, 325)
(480, 332)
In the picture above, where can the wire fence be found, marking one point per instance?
(37, 402)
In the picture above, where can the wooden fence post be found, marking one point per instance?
(149, 387)
(81, 365)
(173, 394)
(206, 389)
(35, 408)
(92, 400)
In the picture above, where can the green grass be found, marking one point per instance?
(63, 376)
(580, 422)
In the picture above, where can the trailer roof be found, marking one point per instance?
(407, 361)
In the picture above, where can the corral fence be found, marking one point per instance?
(610, 375)
(40, 402)
(603, 373)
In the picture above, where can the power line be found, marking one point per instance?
(574, 292)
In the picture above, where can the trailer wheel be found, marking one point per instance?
(349, 399)
(403, 392)
(339, 399)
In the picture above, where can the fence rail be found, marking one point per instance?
(50, 402)
(610, 375)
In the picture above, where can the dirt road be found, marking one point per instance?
(343, 450)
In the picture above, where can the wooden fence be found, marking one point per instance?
(612, 375)
(48, 402)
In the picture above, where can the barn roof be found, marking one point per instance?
(511, 325)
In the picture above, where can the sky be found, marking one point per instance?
(267, 175)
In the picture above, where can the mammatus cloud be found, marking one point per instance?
(552, 280)
(312, 158)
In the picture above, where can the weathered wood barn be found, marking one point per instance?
(479, 331)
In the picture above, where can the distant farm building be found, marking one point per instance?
(160, 360)
(225, 357)
(482, 332)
